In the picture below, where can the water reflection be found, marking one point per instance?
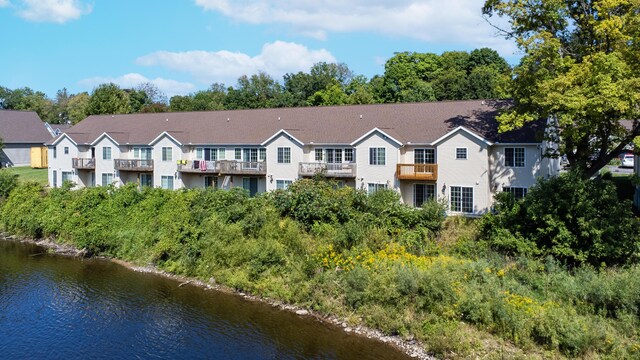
(56, 307)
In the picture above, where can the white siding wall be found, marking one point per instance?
(106, 166)
(381, 174)
(472, 172)
(166, 168)
(62, 162)
(526, 176)
(277, 171)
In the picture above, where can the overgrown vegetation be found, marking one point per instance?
(368, 259)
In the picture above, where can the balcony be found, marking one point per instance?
(425, 172)
(230, 167)
(347, 170)
(198, 166)
(133, 164)
(84, 163)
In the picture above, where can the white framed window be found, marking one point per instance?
(199, 153)
(146, 180)
(167, 153)
(55, 176)
(55, 153)
(142, 153)
(461, 199)
(377, 156)
(222, 154)
(166, 182)
(66, 150)
(514, 156)
(424, 156)
(517, 192)
(67, 176)
(283, 184)
(263, 154)
(461, 153)
(348, 155)
(106, 153)
(284, 155)
(238, 153)
(422, 193)
(319, 155)
(107, 179)
(375, 187)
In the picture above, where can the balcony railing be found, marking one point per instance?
(198, 166)
(84, 163)
(133, 164)
(427, 172)
(347, 170)
(230, 167)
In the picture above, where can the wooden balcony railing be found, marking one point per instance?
(347, 170)
(231, 167)
(84, 163)
(198, 166)
(133, 164)
(428, 172)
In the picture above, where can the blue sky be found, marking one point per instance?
(184, 46)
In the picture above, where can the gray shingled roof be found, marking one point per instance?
(417, 123)
(22, 127)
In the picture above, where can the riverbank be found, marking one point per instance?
(411, 348)
(357, 260)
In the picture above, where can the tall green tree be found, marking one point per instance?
(109, 99)
(27, 99)
(258, 91)
(77, 107)
(581, 68)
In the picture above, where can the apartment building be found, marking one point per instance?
(449, 150)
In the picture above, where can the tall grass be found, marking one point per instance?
(370, 260)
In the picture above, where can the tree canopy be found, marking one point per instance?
(581, 68)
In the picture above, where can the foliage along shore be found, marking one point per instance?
(409, 347)
(367, 259)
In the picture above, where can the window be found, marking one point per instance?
(250, 155)
(211, 182)
(199, 154)
(424, 156)
(167, 154)
(238, 154)
(319, 155)
(107, 179)
(348, 155)
(106, 153)
(514, 157)
(375, 187)
(166, 182)
(263, 154)
(146, 180)
(333, 156)
(517, 192)
(462, 199)
(66, 176)
(377, 156)
(284, 155)
(283, 184)
(222, 154)
(141, 153)
(55, 153)
(461, 153)
(55, 176)
(66, 151)
(422, 193)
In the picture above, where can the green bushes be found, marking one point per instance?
(573, 219)
(369, 259)
(8, 182)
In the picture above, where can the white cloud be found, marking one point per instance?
(452, 21)
(132, 80)
(276, 59)
(56, 11)
(4, 3)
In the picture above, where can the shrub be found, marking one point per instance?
(8, 182)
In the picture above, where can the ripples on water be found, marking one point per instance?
(53, 307)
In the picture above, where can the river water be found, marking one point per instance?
(55, 307)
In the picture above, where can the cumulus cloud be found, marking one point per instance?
(132, 80)
(275, 59)
(452, 21)
(56, 11)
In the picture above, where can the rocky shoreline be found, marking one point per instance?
(410, 347)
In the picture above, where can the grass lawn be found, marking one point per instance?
(26, 173)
